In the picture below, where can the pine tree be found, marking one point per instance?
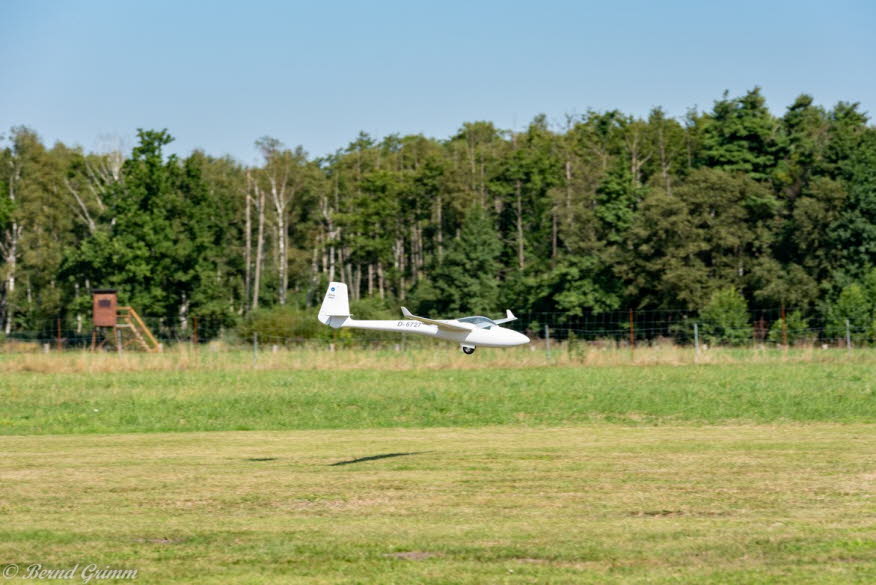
(467, 279)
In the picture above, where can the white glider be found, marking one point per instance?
(469, 332)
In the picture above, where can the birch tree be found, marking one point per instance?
(284, 177)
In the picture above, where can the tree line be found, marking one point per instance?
(600, 212)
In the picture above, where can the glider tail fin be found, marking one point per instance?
(335, 307)
(509, 316)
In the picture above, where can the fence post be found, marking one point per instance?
(255, 348)
(547, 337)
(848, 336)
(632, 332)
(195, 331)
(784, 328)
(696, 341)
(59, 334)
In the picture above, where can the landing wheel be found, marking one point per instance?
(467, 350)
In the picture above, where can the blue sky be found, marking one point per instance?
(221, 74)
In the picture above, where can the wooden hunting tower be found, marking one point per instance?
(118, 326)
(105, 303)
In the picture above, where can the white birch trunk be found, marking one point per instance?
(260, 241)
(247, 250)
(278, 196)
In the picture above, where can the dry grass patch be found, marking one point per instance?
(438, 356)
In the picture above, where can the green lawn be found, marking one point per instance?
(315, 399)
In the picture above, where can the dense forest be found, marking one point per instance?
(604, 211)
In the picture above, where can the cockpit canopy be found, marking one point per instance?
(478, 321)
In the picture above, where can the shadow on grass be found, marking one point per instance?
(375, 457)
(261, 459)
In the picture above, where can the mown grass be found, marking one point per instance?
(600, 504)
(233, 399)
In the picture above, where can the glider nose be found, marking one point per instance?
(519, 338)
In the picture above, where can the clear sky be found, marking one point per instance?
(220, 74)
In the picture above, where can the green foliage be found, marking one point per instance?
(606, 210)
(290, 325)
(707, 233)
(7, 206)
(157, 243)
(374, 308)
(281, 325)
(616, 199)
(725, 318)
(466, 280)
(854, 231)
(577, 284)
(855, 305)
(795, 329)
(739, 135)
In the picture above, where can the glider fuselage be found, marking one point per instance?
(495, 336)
(468, 332)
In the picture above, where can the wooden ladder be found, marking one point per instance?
(129, 319)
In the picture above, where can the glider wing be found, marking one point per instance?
(439, 324)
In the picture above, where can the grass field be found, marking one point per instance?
(235, 399)
(734, 472)
(427, 355)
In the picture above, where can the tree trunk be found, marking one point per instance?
(399, 265)
(247, 250)
(664, 163)
(260, 242)
(11, 258)
(415, 250)
(331, 266)
(278, 195)
(11, 261)
(569, 194)
(9, 249)
(439, 222)
(521, 261)
(380, 281)
(357, 282)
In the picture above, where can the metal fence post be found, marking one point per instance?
(632, 332)
(255, 348)
(848, 336)
(696, 341)
(547, 337)
(784, 328)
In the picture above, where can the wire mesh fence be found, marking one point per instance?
(771, 327)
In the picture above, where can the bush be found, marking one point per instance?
(796, 328)
(855, 305)
(285, 324)
(725, 318)
(282, 324)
